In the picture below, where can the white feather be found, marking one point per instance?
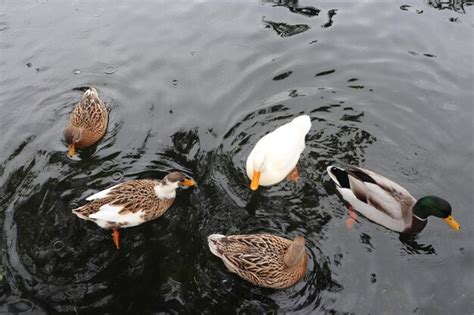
(282, 149)
(101, 194)
(371, 212)
(108, 213)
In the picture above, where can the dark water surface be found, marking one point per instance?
(193, 86)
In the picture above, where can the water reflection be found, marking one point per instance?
(411, 245)
(331, 14)
(453, 5)
(284, 29)
(293, 6)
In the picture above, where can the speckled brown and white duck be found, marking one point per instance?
(132, 203)
(87, 122)
(263, 259)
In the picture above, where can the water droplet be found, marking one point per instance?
(107, 165)
(117, 176)
(3, 26)
(76, 71)
(58, 245)
(42, 1)
(171, 111)
(99, 12)
(83, 34)
(174, 82)
(110, 69)
(192, 53)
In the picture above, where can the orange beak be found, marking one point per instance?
(188, 183)
(255, 180)
(72, 150)
(453, 223)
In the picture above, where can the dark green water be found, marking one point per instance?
(192, 87)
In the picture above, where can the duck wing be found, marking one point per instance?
(129, 203)
(380, 192)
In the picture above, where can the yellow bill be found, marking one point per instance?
(255, 180)
(72, 150)
(453, 223)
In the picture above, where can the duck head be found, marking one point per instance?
(258, 167)
(166, 188)
(435, 206)
(72, 135)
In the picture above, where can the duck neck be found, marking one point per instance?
(165, 191)
(295, 253)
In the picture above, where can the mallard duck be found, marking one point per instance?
(275, 155)
(263, 259)
(87, 123)
(387, 203)
(132, 203)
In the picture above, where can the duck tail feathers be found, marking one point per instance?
(212, 242)
(339, 176)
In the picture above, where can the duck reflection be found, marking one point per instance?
(454, 5)
(285, 30)
(412, 247)
(293, 6)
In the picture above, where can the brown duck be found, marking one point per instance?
(263, 259)
(87, 123)
(132, 203)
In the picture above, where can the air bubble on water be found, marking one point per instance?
(76, 71)
(117, 176)
(110, 69)
(107, 165)
(98, 12)
(174, 82)
(58, 245)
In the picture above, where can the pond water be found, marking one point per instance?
(192, 86)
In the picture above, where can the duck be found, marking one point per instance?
(265, 260)
(132, 202)
(87, 122)
(275, 155)
(386, 202)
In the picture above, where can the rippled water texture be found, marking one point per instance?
(192, 87)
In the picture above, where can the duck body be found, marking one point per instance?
(276, 154)
(263, 259)
(386, 202)
(87, 122)
(133, 202)
(125, 205)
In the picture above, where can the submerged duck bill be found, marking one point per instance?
(255, 180)
(452, 223)
(71, 150)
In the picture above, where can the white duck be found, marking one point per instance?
(275, 155)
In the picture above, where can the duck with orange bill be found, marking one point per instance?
(87, 122)
(387, 203)
(132, 203)
(276, 154)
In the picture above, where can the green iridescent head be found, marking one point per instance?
(435, 206)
